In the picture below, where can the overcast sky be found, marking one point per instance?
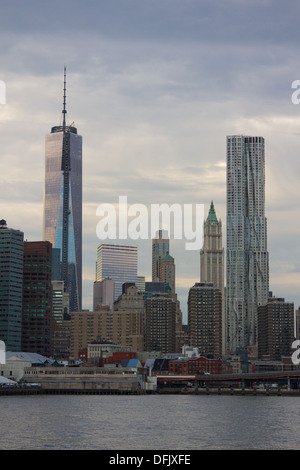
(154, 87)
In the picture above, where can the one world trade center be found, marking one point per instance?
(62, 221)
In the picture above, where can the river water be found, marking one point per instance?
(151, 422)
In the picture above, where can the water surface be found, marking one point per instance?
(154, 422)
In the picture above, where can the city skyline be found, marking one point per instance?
(155, 93)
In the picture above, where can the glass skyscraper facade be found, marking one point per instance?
(247, 260)
(37, 311)
(11, 286)
(62, 224)
(118, 262)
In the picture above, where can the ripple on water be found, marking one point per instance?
(151, 422)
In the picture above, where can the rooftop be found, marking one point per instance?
(212, 218)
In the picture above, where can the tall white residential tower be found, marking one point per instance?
(247, 259)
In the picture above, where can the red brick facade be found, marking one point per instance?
(194, 366)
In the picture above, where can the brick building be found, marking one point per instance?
(37, 320)
(197, 365)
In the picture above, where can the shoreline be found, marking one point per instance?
(164, 391)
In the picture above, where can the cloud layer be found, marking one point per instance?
(154, 88)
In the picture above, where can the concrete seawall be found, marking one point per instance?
(162, 391)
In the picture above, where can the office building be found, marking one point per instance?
(60, 301)
(128, 319)
(162, 289)
(122, 325)
(11, 286)
(164, 280)
(56, 265)
(118, 262)
(141, 282)
(212, 259)
(160, 247)
(62, 224)
(85, 328)
(61, 340)
(161, 318)
(212, 252)
(276, 329)
(205, 319)
(37, 320)
(152, 288)
(104, 293)
(167, 271)
(247, 260)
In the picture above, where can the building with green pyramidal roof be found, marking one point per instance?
(212, 218)
(212, 258)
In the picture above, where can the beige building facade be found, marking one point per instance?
(123, 325)
(212, 259)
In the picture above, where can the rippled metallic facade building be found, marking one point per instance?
(247, 259)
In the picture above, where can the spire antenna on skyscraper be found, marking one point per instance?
(63, 202)
(64, 111)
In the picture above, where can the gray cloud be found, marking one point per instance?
(154, 88)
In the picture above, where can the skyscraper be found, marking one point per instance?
(128, 319)
(212, 252)
(160, 247)
(163, 273)
(118, 262)
(37, 315)
(212, 259)
(11, 285)
(103, 293)
(167, 271)
(62, 224)
(247, 260)
(60, 301)
(160, 333)
(276, 329)
(205, 319)
(141, 280)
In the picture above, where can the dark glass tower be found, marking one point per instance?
(11, 285)
(63, 203)
(37, 298)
